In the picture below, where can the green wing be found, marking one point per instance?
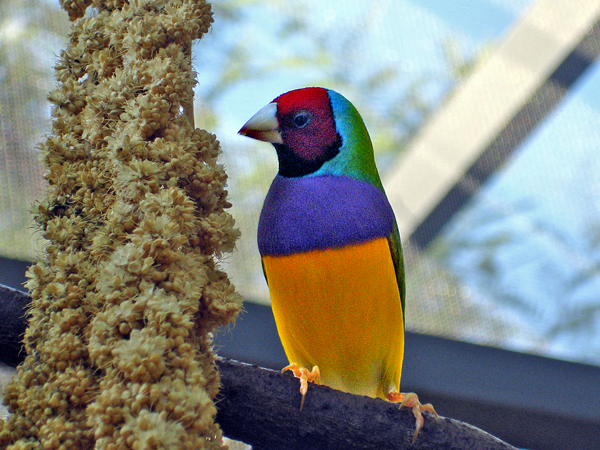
(398, 259)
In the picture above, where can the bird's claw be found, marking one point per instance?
(411, 400)
(305, 375)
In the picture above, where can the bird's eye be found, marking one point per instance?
(301, 119)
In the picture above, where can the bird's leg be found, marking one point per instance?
(314, 376)
(410, 400)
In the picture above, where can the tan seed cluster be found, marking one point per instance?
(128, 292)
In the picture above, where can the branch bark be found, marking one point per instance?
(14, 307)
(261, 407)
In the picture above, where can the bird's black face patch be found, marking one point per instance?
(292, 165)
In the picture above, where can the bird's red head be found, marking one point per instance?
(301, 126)
(306, 122)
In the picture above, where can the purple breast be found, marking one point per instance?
(317, 213)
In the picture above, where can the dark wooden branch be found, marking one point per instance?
(13, 322)
(261, 407)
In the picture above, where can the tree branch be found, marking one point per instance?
(14, 307)
(261, 407)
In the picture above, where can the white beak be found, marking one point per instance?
(264, 125)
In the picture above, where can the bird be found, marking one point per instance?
(330, 249)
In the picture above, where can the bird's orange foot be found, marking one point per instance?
(314, 376)
(410, 400)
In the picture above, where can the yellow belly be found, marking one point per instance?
(340, 309)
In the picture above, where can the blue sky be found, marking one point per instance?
(480, 20)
